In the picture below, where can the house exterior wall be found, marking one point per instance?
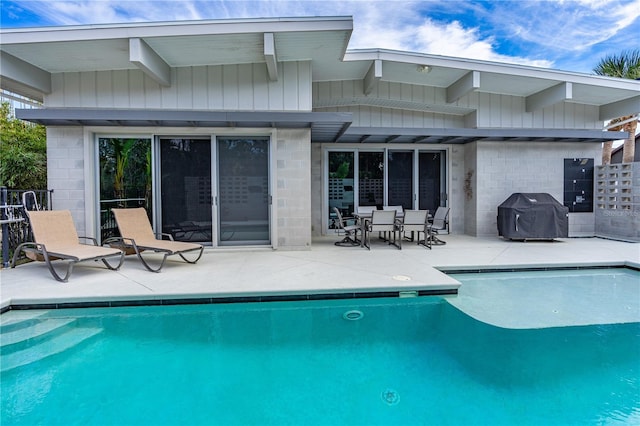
(503, 168)
(244, 87)
(491, 110)
(469, 188)
(65, 172)
(617, 201)
(292, 196)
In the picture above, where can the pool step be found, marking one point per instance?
(27, 344)
(22, 332)
(18, 319)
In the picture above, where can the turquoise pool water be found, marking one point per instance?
(408, 361)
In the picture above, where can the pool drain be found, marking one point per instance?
(390, 396)
(353, 315)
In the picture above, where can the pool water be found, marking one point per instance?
(406, 361)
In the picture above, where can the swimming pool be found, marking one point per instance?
(373, 361)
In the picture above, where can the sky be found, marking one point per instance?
(570, 35)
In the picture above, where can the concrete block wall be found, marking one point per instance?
(503, 168)
(293, 196)
(470, 185)
(316, 190)
(617, 201)
(65, 172)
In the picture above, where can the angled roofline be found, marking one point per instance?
(173, 28)
(488, 66)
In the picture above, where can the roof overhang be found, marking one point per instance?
(397, 135)
(325, 126)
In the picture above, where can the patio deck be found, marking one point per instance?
(324, 270)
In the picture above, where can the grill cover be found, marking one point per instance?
(532, 215)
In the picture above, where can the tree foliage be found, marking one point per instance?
(23, 152)
(625, 65)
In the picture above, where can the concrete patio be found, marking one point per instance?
(323, 270)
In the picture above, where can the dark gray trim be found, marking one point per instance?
(223, 300)
(325, 126)
(463, 135)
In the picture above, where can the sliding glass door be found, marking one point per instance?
(411, 178)
(243, 188)
(185, 187)
(125, 178)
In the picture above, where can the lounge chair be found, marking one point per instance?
(383, 221)
(55, 238)
(350, 231)
(136, 234)
(416, 221)
(439, 224)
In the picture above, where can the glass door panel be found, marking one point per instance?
(185, 187)
(125, 178)
(341, 195)
(429, 184)
(371, 179)
(400, 179)
(243, 188)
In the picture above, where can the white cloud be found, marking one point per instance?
(574, 25)
(533, 32)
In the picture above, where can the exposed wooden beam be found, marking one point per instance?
(270, 56)
(468, 83)
(373, 75)
(550, 96)
(24, 74)
(622, 108)
(145, 58)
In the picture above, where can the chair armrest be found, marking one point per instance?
(93, 240)
(163, 234)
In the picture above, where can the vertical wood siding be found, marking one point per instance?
(492, 110)
(243, 87)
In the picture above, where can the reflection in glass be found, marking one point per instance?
(340, 184)
(371, 179)
(400, 190)
(429, 183)
(125, 178)
(185, 166)
(243, 180)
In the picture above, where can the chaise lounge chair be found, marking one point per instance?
(55, 238)
(136, 234)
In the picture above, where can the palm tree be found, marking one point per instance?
(625, 65)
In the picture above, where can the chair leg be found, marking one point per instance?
(114, 268)
(55, 274)
(192, 261)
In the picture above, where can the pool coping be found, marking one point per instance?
(169, 300)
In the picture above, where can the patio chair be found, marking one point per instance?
(365, 210)
(416, 221)
(351, 231)
(55, 238)
(383, 221)
(137, 236)
(439, 224)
